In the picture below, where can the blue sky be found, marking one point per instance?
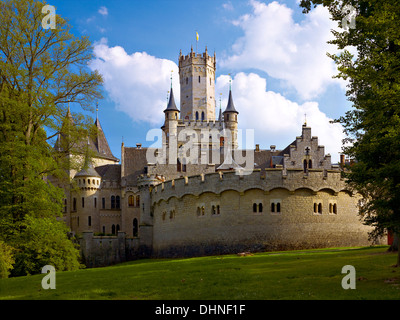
(275, 55)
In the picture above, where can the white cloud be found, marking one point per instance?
(103, 11)
(137, 83)
(294, 52)
(275, 119)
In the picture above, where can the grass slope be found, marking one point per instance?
(309, 274)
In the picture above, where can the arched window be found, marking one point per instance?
(315, 207)
(197, 116)
(202, 116)
(202, 211)
(83, 202)
(95, 202)
(89, 221)
(117, 202)
(330, 208)
(218, 212)
(260, 207)
(74, 204)
(213, 210)
(117, 228)
(310, 164)
(320, 208)
(112, 202)
(254, 207)
(113, 229)
(278, 207)
(305, 166)
(334, 208)
(137, 201)
(131, 201)
(272, 207)
(135, 227)
(103, 203)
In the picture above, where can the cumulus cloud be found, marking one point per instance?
(293, 52)
(275, 119)
(137, 83)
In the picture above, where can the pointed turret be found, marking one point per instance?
(230, 107)
(171, 103)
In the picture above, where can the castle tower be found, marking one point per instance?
(85, 208)
(231, 120)
(171, 118)
(197, 81)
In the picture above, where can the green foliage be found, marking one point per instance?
(6, 259)
(373, 125)
(43, 242)
(41, 73)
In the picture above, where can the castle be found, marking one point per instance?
(165, 202)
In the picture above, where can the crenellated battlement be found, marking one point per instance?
(267, 180)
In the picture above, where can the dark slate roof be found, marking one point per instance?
(110, 172)
(134, 163)
(230, 106)
(171, 103)
(100, 144)
(88, 171)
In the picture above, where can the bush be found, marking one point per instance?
(6, 259)
(45, 242)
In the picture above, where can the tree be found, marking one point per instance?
(41, 73)
(373, 124)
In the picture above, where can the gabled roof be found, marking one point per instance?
(100, 144)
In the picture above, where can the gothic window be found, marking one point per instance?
(89, 221)
(197, 116)
(131, 201)
(74, 204)
(112, 202)
(113, 229)
(334, 208)
(202, 211)
(135, 227)
(319, 207)
(83, 202)
(278, 207)
(178, 166)
(117, 202)
(137, 201)
(254, 207)
(202, 116)
(272, 207)
(260, 207)
(95, 202)
(305, 166)
(213, 210)
(103, 203)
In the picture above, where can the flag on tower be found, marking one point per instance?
(197, 36)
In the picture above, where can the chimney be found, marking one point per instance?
(257, 147)
(273, 148)
(138, 145)
(342, 160)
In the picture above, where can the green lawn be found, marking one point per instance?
(310, 274)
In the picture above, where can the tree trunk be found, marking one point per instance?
(395, 248)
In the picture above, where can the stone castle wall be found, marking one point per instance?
(223, 213)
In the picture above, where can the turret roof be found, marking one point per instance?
(230, 106)
(171, 103)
